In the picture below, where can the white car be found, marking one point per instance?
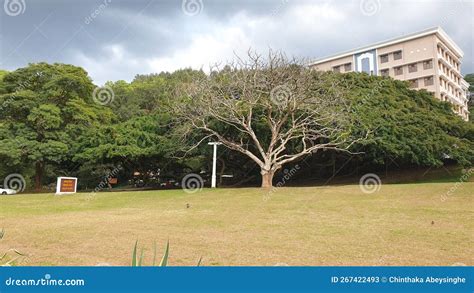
(5, 191)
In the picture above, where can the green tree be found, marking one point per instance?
(409, 126)
(138, 144)
(44, 109)
(147, 94)
(2, 86)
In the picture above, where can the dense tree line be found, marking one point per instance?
(50, 125)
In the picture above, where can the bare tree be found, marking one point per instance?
(273, 110)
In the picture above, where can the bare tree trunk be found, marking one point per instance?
(267, 178)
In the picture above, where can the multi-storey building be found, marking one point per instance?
(428, 60)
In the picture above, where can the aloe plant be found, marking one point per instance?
(137, 258)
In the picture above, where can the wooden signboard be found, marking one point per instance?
(66, 185)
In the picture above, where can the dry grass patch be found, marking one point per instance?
(403, 224)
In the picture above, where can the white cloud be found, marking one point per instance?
(205, 50)
(113, 63)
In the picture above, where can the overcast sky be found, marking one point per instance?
(117, 39)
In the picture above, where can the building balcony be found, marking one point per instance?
(458, 101)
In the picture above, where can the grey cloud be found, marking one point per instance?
(124, 38)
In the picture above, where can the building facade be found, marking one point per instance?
(428, 60)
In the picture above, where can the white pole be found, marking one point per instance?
(214, 164)
(214, 167)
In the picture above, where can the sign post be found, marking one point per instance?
(66, 185)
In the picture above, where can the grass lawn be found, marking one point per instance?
(402, 224)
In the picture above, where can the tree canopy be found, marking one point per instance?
(410, 127)
(50, 124)
(271, 109)
(44, 109)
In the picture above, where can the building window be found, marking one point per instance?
(384, 58)
(384, 72)
(336, 69)
(413, 83)
(412, 67)
(347, 67)
(398, 70)
(397, 55)
(428, 64)
(428, 80)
